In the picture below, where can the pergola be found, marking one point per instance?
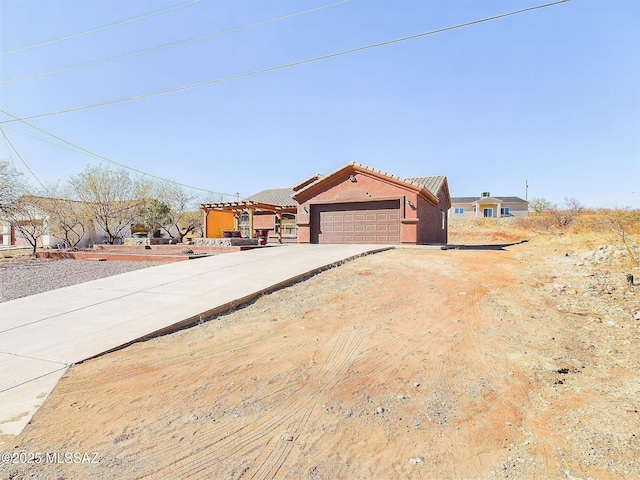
(251, 207)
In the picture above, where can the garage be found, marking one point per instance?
(375, 222)
(360, 204)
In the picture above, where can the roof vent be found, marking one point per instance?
(486, 194)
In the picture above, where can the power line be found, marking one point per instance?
(75, 35)
(101, 157)
(21, 159)
(162, 47)
(46, 141)
(286, 65)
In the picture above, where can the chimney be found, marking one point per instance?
(486, 194)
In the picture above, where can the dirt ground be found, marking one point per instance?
(521, 362)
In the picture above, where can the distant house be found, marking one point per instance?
(487, 206)
(29, 224)
(51, 222)
(353, 204)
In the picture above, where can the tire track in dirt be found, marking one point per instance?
(239, 440)
(266, 467)
(336, 351)
(474, 315)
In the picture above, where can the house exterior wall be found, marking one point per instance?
(264, 221)
(366, 188)
(217, 221)
(468, 210)
(434, 223)
(516, 209)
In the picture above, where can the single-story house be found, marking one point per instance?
(487, 206)
(51, 222)
(353, 204)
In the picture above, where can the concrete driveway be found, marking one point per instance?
(41, 336)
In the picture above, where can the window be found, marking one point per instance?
(505, 211)
(488, 212)
(243, 225)
(444, 219)
(458, 210)
(288, 224)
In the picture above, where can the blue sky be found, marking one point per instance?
(551, 96)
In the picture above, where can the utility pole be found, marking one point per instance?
(526, 190)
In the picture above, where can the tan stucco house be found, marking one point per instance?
(487, 206)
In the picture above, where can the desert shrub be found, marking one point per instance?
(186, 251)
(547, 217)
(624, 224)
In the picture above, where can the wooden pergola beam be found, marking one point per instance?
(248, 205)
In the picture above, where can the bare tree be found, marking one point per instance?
(68, 218)
(564, 217)
(12, 186)
(28, 219)
(17, 206)
(110, 198)
(184, 216)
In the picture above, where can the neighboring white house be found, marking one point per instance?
(487, 206)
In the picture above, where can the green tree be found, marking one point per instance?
(540, 205)
(154, 215)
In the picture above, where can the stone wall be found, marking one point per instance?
(150, 241)
(224, 242)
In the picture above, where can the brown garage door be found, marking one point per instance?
(366, 222)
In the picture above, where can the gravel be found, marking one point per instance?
(29, 277)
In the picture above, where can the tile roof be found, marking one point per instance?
(313, 178)
(432, 183)
(275, 196)
(511, 199)
(464, 199)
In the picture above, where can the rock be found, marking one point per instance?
(636, 316)
(287, 437)
(380, 410)
(418, 461)
(402, 397)
(416, 384)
